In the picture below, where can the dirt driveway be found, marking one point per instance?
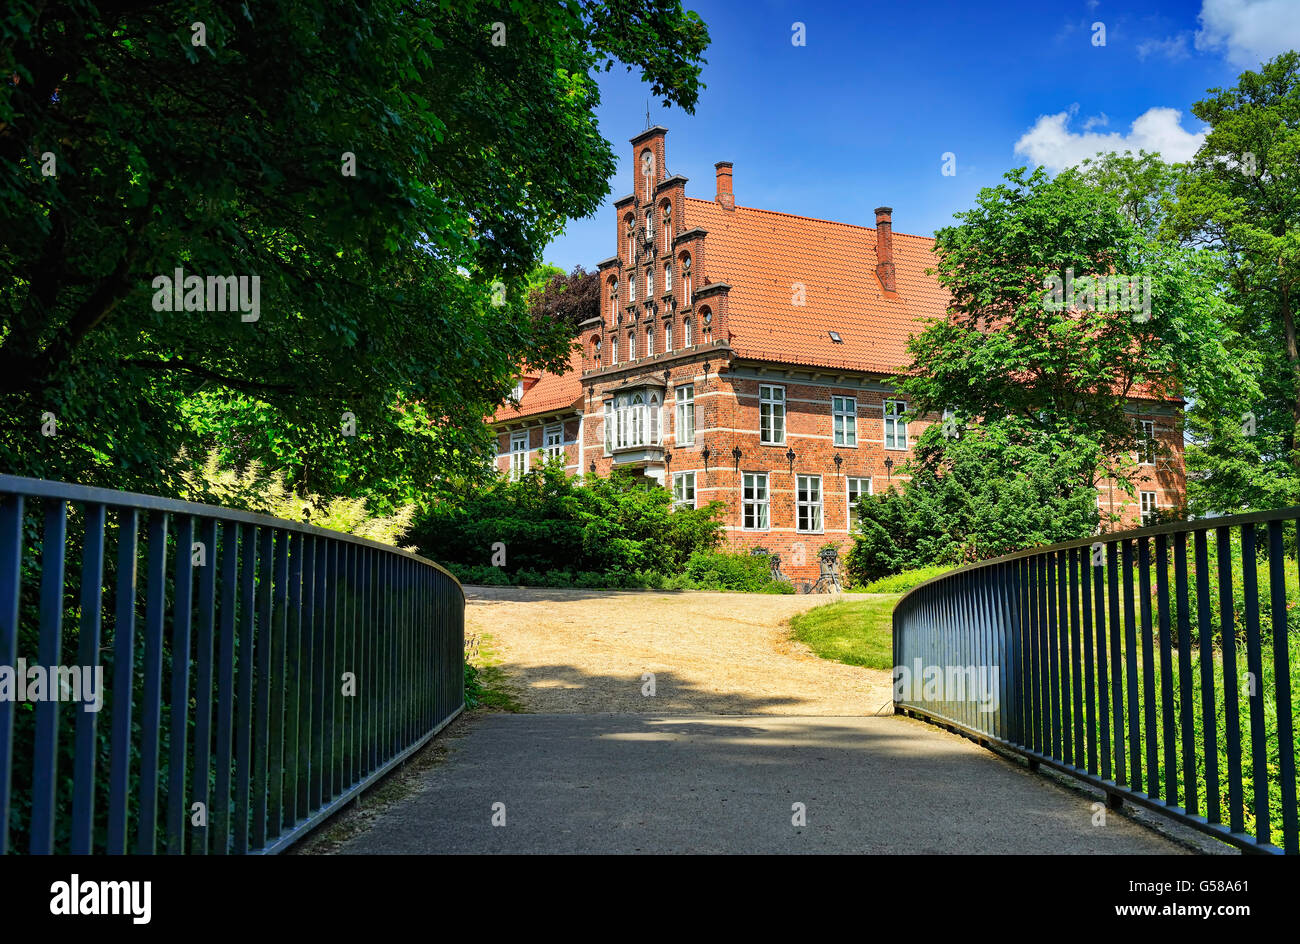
(575, 651)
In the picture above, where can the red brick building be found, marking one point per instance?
(743, 355)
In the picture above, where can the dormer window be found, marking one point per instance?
(518, 392)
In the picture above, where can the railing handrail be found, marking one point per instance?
(1106, 537)
(65, 491)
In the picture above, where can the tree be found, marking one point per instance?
(569, 299)
(388, 172)
(1041, 371)
(1241, 199)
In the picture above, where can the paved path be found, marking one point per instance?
(623, 783)
(743, 725)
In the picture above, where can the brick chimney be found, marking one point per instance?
(885, 248)
(726, 199)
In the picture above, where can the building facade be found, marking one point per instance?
(743, 356)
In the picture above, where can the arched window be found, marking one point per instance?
(654, 419)
(595, 349)
(631, 287)
(686, 331)
(650, 341)
(668, 338)
(631, 345)
(668, 226)
(638, 420)
(706, 320)
(649, 284)
(613, 301)
(613, 350)
(630, 228)
(648, 172)
(668, 276)
(686, 278)
(649, 225)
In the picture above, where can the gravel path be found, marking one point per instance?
(580, 651)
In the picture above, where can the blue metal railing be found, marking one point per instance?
(255, 674)
(1177, 696)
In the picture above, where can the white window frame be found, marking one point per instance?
(1143, 508)
(631, 345)
(810, 515)
(613, 349)
(553, 449)
(650, 340)
(685, 397)
(849, 498)
(518, 454)
(895, 427)
(649, 284)
(771, 403)
(1146, 444)
(844, 421)
(668, 337)
(668, 277)
(609, 427)
(631, 287)
(686, 331)
(755, 495)
(684, 490)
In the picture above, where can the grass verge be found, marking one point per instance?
(855, 632)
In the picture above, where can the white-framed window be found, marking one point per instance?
(895, 426)
(668, 276)
(686, 278)
(1148, 500)
(631, 287)
(844, 412)
(668, 338)
(553, 441)
(771, 415)
(518, 454)
(857, 488)
(685, 414)
(808, 503)
(609, 426)
(668, 226)
(684, 489)
(1146, 442)
(613, 349)
(650, 341)
(649, 284)
(686, 331)
(649, 225)
(632, 420)
(754, 501)
(631, 345)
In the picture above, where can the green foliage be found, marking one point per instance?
(751, 573)
(981, 494)
(1241, 198)
(550, 521)
(255, 489)
(902, 582)
(397, 294)
(1058, 382)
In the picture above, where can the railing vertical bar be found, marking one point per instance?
(279, 675)
(244, 695)
(1150, 729)
(307, 680)
(261, 655)
(1255, 693)
(329, 709)
(151, 709)
(319, 681)
(230, 543)
(50, 645)
(1231, 711)
(1085, 570)
(1046, 698)
(203, 660)
(1168, 739)
(1064, 621)
(293, 684)
(179, 709)
(1205, 631)
(1186, 692)
(11, 559)
(1055, 630)
(92, 592)
(1098, 570)
(1076, 660)
(1282, 686)
(1130, 671)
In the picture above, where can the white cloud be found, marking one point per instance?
(1251, 31)
(1175, 47)
(1096, 121)
(1051, 143)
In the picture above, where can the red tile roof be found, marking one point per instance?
(764, 255)
(553, 393)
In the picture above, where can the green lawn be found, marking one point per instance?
(855, 632)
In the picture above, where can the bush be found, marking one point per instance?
(751, 573)
(898, 583)
(550, 521)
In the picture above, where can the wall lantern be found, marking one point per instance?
(593, 466)
(839, 461)
(736, 454)
(790, 457)
(889, 468)
(668, 457)
(704, 453)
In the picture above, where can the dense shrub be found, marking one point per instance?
(747, 572)
(899, 583)
(550, 521)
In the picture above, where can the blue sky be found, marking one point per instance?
(863, 114)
